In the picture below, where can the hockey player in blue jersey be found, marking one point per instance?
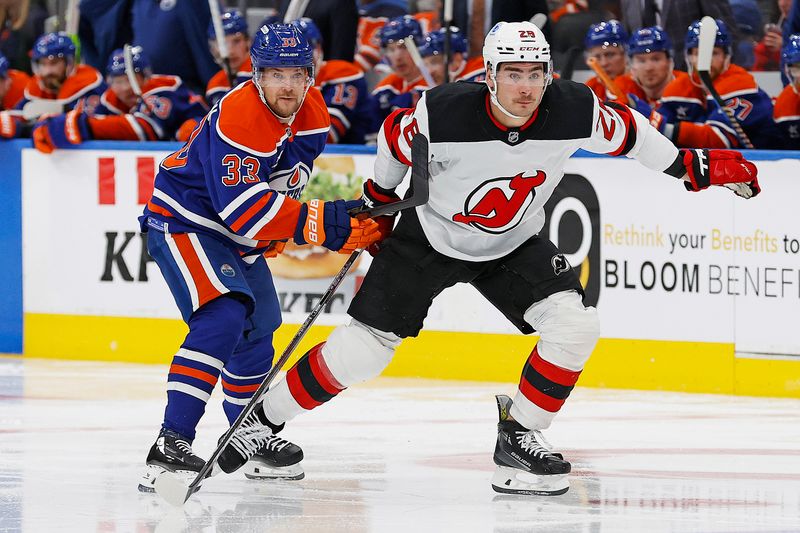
(238, 41)
(220, 204)
(692, 119)
(166, 110)
(343, 88)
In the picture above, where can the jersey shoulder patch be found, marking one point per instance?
(787, 103)
(734, 82)
(682, 87)
(83, 80)
(338, 71)
(160, 83)
(313, 116)
(566, 111)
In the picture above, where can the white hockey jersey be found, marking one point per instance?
(489, 183)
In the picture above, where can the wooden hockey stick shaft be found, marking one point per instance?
(219, 35)
(609, 83)
(705, 51)
(166, 486)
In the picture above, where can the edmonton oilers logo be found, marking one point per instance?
(227, 270)
(292, 181)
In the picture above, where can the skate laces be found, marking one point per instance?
(250, 437)
(534, 443)
(276, 443)
(184, 447)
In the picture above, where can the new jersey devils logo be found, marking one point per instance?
(497, 205)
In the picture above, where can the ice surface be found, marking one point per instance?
(396, 455)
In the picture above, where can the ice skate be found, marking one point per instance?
(526, 464)
(171, 452)
(276, 459)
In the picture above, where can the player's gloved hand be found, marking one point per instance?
(640, 105)
(8, 126)
(329, 224)
(275, 249)
(665, 127)
(61, 131)
(720, 167)
(375, 195)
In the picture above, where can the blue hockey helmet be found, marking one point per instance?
(56, 44)
(233, 22)
(116, 63)
(309, 29)
(433, 44)
(723, 39)
(647, 40)
(609, 33)
(400, 28)
(3, 66)
(279, 46)
(790, 54)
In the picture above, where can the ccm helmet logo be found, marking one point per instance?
(529, 49)
(289, 42)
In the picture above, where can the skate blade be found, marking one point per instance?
(173, 488)
(257, 470)
(513, 481)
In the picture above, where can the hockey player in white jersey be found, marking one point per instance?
(497, 152)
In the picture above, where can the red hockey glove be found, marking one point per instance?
(720, 167)
(375, 195)
(330, 225)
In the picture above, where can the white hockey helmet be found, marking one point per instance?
(515, 42)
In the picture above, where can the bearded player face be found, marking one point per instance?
(284, 88)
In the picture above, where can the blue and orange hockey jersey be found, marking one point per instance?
(167, 104)
(344, 89)
(393, 92)
(473, 70)
(704, 125)
(16, 90)
(787, 116)
(82, 88)
(240, 174)
(219, 84)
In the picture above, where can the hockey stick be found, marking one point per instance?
(705, 49)
(607, 81)
(222, 45)
(127, 55)
(569, 63)
(447, 11)
(169, 485)
(411, 46)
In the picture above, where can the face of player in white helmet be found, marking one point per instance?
(611, 58)
(651, 70)
(52, 71)
(284, 89)
(520, 87)
(122, 88)
(400, 61)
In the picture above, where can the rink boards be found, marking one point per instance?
(696, 291)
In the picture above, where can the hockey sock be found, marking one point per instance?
(310, 381)
(214, 331)
(243, 374)
(543, 389)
